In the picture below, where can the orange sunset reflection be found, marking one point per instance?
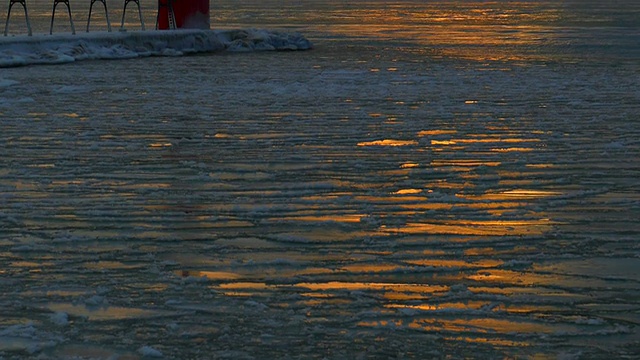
(482, 31)
(432, 230)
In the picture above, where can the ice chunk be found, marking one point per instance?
(148, 351)
(60, 318)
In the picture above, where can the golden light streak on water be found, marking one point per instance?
(483, 140)
(392, 199)
(485, 326)
(368, 268)
(388, 142)
(496, 342)
(467, 305)
(408, 191)
(338, 218)
(509, 277)
(443, 142)
(159, 145)
(465, 163)
(486, 263)
(477, 227)
(476, 30)
(509, 195)
(409, 165)
(513, 149)
(28, 264)
(396, 287)
(424, 133)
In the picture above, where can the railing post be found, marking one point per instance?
(53, 14)
(124, 11)
(26, 15)
(104, 2)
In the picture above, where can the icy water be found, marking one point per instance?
(434, 180)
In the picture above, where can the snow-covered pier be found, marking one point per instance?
(64, 48)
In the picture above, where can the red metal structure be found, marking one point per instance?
(183, 14)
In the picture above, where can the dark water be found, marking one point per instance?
(433, 180)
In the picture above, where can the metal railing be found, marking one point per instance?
(161, 3)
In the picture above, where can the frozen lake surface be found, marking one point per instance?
(66, 48)
(433, 180)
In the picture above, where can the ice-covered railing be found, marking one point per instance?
(57, 49)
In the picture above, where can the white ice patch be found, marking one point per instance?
(97, 301)
(254, 305)
(7, 82)
(64, 48)
(26, 337)
(60, 318)
(104, 312)
(148, 351)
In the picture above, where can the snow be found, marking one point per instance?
(65, 48)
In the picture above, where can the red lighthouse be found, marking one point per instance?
(183, 14)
